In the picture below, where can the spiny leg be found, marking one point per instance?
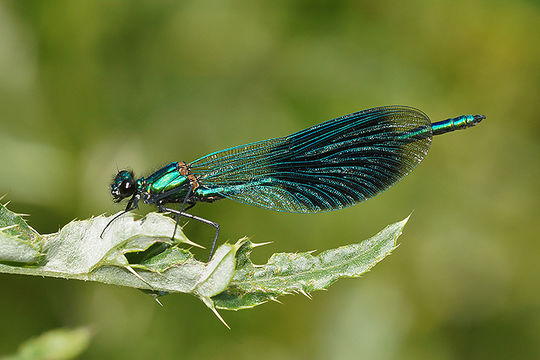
(203, 220)
(177, 218)
(182, 209)
(131, 205)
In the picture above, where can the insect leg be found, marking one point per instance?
(131, 205)
(203, 220)
(182, 209)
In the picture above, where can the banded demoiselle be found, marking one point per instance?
(328, 166)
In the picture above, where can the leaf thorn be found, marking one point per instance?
(303, 292)
(9, 227)
(254, 245)
(138, 276)
(208, 302)
(189, 242)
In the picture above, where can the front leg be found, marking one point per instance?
(189, 216)
(132, 204)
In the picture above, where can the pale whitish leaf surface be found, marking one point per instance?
(18, 241)
(140, 254)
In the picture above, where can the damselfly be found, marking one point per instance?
(328, 166)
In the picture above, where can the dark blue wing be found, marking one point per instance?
(328, 166)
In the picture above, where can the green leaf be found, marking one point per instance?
(141, 254)
(19, 243)
(303, 273)
(59, 344)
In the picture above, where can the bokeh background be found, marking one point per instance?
(89, 86)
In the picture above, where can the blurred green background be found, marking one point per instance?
(86, 86)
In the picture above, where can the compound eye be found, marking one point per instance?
(127, 188)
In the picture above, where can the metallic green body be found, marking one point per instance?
(458, 123)
(328, 166)
(168, 185)
(166, 182)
